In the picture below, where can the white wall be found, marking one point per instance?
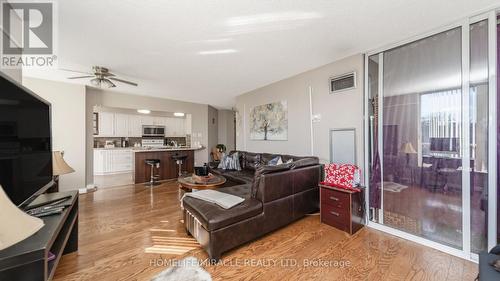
(16, 74)
(226, 128)
(68, 125)
(341, 110)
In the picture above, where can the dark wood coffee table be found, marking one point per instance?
(188, 183)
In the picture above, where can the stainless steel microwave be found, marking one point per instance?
(153, 131)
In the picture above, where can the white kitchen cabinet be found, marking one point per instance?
(169, 125)
(129, 125)
(121, 125)
(98, 162)
(159, 121)
(182, 127)
(179, 127)
(148, 120)
(106, 124)
(187, 125)
(112, 161)
(135, 126)
(172, 127)
(121, 161)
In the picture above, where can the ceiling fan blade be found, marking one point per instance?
(80, 77)
(123, 81)
(70, 70)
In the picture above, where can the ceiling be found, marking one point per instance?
(212, 51)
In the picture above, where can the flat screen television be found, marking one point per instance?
(25, 143)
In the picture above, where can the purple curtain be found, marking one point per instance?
(375, 169)
(375, 180)
(498, 132)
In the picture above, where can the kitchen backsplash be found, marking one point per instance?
(100, 142)
(179, 140)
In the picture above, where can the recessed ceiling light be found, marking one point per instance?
(218, 52)
(144, 111)
(179, 114)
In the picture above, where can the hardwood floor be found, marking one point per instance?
(132, 232)
(437, 215)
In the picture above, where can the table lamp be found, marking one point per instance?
(16, 225)
(59, 167)
(407, 148)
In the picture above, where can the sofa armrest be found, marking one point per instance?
(304, 162)
(267, 169)
(275, 182)
(264, 170)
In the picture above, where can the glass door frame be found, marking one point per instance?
(465, 252)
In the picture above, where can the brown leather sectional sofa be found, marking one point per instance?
(274, 197)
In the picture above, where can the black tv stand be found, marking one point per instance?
(28, 259)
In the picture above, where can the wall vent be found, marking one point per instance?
(343, 82)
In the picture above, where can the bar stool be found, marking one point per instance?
(179, 160)
(153, 163)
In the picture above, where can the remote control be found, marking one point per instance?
(38, 211)
(42, 209)
(52, 212)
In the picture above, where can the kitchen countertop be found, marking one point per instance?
(115, 148)
(166, 149)
(143, 149)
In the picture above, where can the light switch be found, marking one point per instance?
(316, 118)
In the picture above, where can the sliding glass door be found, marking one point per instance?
(427, 137)
(478, 111)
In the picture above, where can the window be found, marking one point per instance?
(440, 117)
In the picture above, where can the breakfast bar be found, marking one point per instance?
(168, 168)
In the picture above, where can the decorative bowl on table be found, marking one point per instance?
(202, 179)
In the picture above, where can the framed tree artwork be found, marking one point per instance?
(269, 122)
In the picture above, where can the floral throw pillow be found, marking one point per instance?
(342, 175)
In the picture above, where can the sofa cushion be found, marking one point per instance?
(243, 176)
(263, 170)
(251, 161)
(304, 162)
(275, 161)
(213, 217)
(266, 157)
(286, 158)
(230, 162)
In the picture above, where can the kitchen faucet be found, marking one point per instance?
(173, 143)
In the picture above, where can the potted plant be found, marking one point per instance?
(221, 148)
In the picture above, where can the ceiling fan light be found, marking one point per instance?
(108, 84)
(101, 78)
(96, 82)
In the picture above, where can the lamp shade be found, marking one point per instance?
(407, 148)
(59, 166)
(15, 224)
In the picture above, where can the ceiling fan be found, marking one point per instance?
(101, 77)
